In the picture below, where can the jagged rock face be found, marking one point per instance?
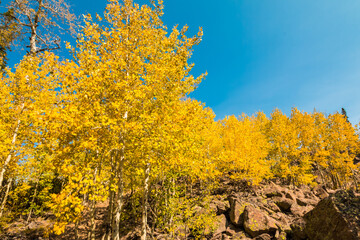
(336, 217)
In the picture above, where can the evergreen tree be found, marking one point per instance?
(343, 112)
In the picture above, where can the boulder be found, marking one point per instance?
(221, 206)
(236, 210)
(335, 218)
(273, 190)
(284, 203)
(298, 229)
(257, 222)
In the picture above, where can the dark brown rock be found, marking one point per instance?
(298, 229)
(257, 222)
(336, 217)
(284, 203)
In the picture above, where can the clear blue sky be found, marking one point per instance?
(266, 54)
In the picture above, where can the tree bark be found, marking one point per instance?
(91, 233)
(145, 202)
(5, 197)
(119, 196)
(8, 159)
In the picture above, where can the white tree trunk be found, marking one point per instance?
(145, 202)
(8, 159)
(5, 197)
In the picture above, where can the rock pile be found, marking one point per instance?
(276, 212)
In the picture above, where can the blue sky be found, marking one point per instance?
(266, 54)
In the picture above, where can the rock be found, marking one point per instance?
(221, 206)
(299, 211)
(336, 217)
(273, 190)
(221, 224)
(298, 229)
(236, 211)
(320, 191)
(256, 222)
(232, 230)
(181, 230)
(290, 196)
(263, 236)
(283, 222)
(284, 203)
(272, 206)
(306, 201)
(299, 192)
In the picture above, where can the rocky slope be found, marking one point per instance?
(274, 212)
(267, 212)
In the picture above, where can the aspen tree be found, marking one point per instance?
(128, 72)
(27, 95)
(284, 145)
(342, 143)
(245, 149)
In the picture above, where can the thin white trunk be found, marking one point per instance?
(8, 159)
(119, 198)
(5, 197)
(93, 212)
(13, 141)
(145, 202)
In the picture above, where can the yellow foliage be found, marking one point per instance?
(245, 148)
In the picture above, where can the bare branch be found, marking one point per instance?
(42, 21)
